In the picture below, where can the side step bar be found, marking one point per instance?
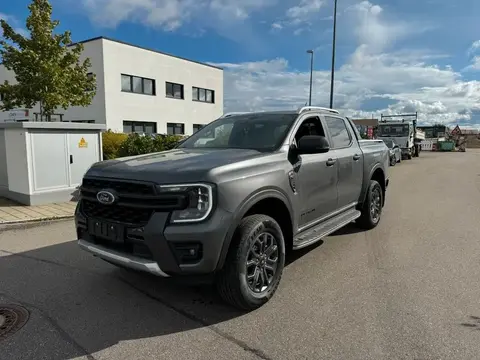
(312, 235)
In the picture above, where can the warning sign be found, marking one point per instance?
(82, 143)
(456, 131)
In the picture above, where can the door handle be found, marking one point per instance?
(71, 159)
(356, 157)
(331, 162)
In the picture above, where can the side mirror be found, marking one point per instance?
(312, 144)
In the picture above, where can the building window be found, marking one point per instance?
(89, 76)
(174, 90)
(138, 85)
(203, 95)
(197, 127)
(175, 129)
(139, 127)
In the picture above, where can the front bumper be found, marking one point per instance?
(158, 247)
(116, 257)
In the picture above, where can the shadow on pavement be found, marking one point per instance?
(98, 305)
(347, 230)
(474, 323)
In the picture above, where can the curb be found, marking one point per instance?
(12, 225)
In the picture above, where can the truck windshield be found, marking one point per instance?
(262, 132)
(393, 130)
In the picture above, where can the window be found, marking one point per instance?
(174, 90)
(197, 127)
(139, 127)
(340, 135)
(203, 95)
(89, 76)
(138, 85)
(261, 132)
(175, 129)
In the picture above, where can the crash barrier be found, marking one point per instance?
(428, 145)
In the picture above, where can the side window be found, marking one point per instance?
(310, 126)
(341, 137)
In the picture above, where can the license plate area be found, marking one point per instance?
(106, 230)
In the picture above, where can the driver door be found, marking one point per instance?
(316, 178)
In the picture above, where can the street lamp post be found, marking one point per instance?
(332, 77)
(311, 77)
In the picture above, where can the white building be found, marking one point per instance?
(141, 90)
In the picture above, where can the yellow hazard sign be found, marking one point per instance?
(82, 143)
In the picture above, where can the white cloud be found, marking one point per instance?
(438, 94)
(377, 31)
(170, 14)
(303, 11)
(404, 79)
(475, 60)
(14, 23)
(474, 47)
(302, 14)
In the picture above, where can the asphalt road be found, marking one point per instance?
(408, 289)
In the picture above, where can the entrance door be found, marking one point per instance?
(83, 154)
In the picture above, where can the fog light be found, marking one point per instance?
(188, 253)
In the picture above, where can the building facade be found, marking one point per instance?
(141, 90)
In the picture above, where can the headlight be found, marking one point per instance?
(200, 202)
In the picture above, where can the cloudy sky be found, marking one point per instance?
(392, 56)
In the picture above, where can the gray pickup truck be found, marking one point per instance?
(233, 198)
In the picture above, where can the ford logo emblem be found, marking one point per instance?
(105, 197)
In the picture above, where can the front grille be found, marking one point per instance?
(136, 201)
(117, 213)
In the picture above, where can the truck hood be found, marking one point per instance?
(174, 166)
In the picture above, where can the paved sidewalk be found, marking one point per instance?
(11, 212)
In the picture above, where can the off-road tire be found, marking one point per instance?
(231, 281)
(365, 221)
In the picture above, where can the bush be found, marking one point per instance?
(112, 142)
(135, 144)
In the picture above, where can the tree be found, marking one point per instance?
(46, 66)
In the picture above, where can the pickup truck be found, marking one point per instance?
(232, 199)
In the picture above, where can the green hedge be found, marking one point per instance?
(121, 145)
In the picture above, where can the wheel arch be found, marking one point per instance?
(377, 173)
(269, 201)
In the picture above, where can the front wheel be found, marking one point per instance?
(254, 263)
(372, 207)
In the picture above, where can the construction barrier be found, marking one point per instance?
(427, 145)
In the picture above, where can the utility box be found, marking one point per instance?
(44, 162)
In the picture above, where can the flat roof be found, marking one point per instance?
(144, 48)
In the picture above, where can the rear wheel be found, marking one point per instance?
(372, 207)
(254, 263)
(393, 160)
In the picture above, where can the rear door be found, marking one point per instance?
(349, 158)
(315, 177)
